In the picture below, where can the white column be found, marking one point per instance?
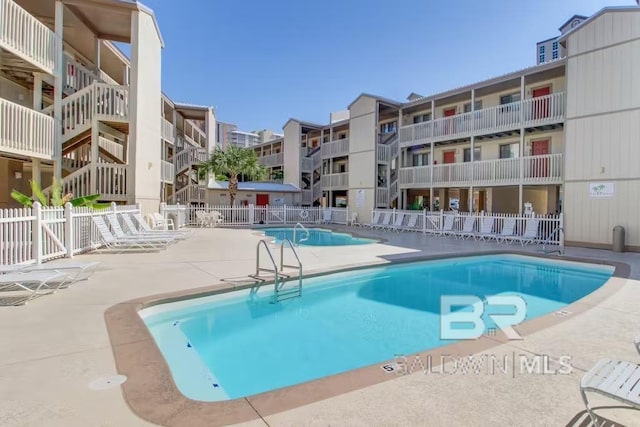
(521, 161)
(95, 153)
(432, 155)
(57, 89)
(472, 148)
(98, 52)
(36, 172)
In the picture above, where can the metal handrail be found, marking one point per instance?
(548, 240)
(275, 266)
(294, 233)
(282, 264)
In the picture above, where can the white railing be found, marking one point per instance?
(194, 133)
(76, 76)
(272, 160)
(317, 159)
(433, 222)
(382, 197)
(530, 112)
(168, 130)
(168, 171)
(307, 197)
(112, 147)
(192, 193)
(393, 190)
(25, 36)
(111, 181)
(78, 158)
(38, 234)
(384, 153)
(335, 148)
(26, 132)
(248, 216)
(547, 168)
(188, 157)
(111, 101)
(335, 180)
(317, 190)
(307, 164)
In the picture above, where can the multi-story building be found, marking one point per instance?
(223, 133)
(73, 106)
(546, 135)
(243, 139)
(551, 49)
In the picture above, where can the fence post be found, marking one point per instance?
(68, 229)
(424, 221)
(163, 212)
(251, 214)
(36, 248)
(441, 219)
(284, 215)
(393, 216)
(266, 213)
(561, 232)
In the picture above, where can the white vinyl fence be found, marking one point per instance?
(250, 215)
(550, 227)
(40, 234)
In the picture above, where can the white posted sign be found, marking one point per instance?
(602, 189)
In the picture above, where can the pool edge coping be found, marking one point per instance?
(151, 393)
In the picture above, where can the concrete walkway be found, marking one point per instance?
(53, 348)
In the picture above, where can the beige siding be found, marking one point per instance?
(15, 93)
(291, 153)
(362, 145)
(602, 140)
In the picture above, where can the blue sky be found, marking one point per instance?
(261, 62)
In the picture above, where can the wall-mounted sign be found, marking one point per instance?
(602, 189)
(360, 199)
(278, 201)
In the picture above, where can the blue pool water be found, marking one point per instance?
(235, 345)
(317, 237)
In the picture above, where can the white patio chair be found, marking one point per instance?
(326, 216)
(530, 234)
(447, 228)
(132, 230)
(121, 235)
(616, 379)
(165, 224)
(508, 230)
(144, 225)
(486, 229)
(39, 281)
(110, 243)
(467, 227)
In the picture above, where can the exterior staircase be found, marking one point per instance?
(388, 151)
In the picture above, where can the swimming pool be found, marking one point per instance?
(316, 237)
(237, 344)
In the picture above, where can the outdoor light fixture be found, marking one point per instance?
(18, 174)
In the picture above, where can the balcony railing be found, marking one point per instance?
(24, 36)
(193, 132)
(307, 197)
(537, 111)
(335, 180)
(167, 171)
(544, 169)
(26, 132)
(382, 197)
(188, 157)
(112, 181)
(307, 164)
(272, 160)
(113, 148)
(168, 131)
(336, 148)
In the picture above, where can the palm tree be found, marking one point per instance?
(231, 162)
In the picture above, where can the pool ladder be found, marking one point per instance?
(304, 237)
(560, 247)
(280, 279)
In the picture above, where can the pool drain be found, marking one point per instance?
(105, 383)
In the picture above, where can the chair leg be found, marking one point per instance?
(592, 415)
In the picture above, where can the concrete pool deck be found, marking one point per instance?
(54, 347)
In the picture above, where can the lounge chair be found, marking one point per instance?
(375, 220)
(616, 379)
(133, 230)
(160, 223)
(397, 224)
(508, 230)
(486, 229)
(144, 226)
(386, 221)
(111, 243)
(467, 227)
(411, 222)
(38, 280)
(447, 227)
(121, 235)
(74, 271)
(353, 221)
(326, 216)
(530, 232)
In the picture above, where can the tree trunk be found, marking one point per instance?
(233, 188)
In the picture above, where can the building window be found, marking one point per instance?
(476, 154)
(554, 46)
(422, 118)
(420, 159)
(477, 106)
(554, 55)
(541, 50)
(554, 50)
(509, 151)
(388, 127)
(508, 99)
(342, 135)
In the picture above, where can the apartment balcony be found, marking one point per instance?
(544, 169)
(168, 131)
(307, 164)
(26, 132)
(190, 194)
(531, 112)
(110, 180)
(194, 134)
(336, 148)
(168, 171)
(272, 160)
(189, 157)
(335, 181)
(25, 37)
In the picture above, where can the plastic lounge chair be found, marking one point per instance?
(386, 221)
(467, 227)
(144, 226)
(530, 232)
(375, 220)
(121, 235)
(163, 223)
(40, 279)
(110, 242)
(411, 223)
(508, 230)
(133, 231)
(486, 229)
(74, 271)
(447, 228)
(397, 224)
(616, 379)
